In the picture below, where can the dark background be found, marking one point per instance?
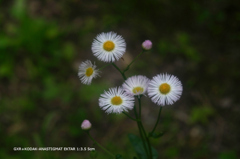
(42, 101)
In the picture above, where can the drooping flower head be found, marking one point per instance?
(87, 71)
(136, 85)
(108, 47)
(147, 45)
(115, 100)
(165, 89)
(86, 125)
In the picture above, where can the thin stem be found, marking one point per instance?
(140, 110)
(100, 145)
(104, 66)
(140, 130)
(139, 122)
(130, 116)
(144, 132)
(127, 68)
(148, 142)
(158, 118)
(122, 73)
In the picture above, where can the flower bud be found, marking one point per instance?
(147, 45)
(86, 125)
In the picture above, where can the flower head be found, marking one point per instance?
(108, 47)
(87, 71)
(86, 125)
(165, 89)
(147, 45)
(136, 85)
(116, 101)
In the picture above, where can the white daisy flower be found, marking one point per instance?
(116, 101)
(136, 85)
(108, 47)
(165, 89)
(87, 71)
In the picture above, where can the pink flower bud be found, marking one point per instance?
(147, 45)
(86, 125)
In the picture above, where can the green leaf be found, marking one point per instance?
(201, 114)
(156, 135)
(138, 146)
(155, 153)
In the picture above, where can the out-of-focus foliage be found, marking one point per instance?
(42, 102)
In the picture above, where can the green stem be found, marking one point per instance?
(140, 109)
(140, 131)
(104, 66)
(144, 132)
(100, 145)
(155, 126)
(148, 142)
(127, 68)
(139, 122)
(122, 73)
(130, 116)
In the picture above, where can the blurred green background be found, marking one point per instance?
(42, 101)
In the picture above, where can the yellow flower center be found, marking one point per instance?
(164, 88)
(108, 46)
(89, 71)
(116, 100)
(137, 90)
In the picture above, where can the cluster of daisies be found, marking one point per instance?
(163, 89)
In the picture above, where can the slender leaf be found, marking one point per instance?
(156, 135)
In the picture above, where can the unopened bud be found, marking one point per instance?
(86, 125)
(147, 45)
